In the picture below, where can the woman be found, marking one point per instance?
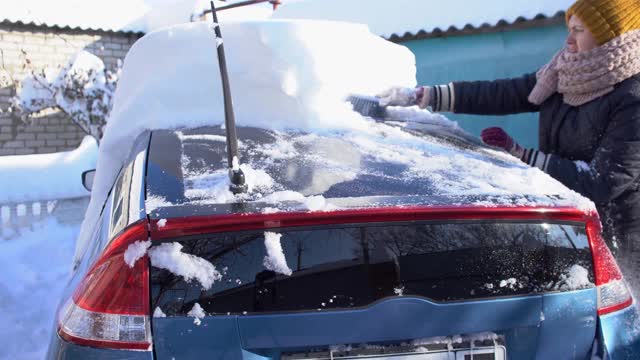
(588, 97)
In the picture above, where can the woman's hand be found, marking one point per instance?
(497, 137)
(402, 96)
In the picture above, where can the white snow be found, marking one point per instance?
(575, 278)
(311, 203)
(275, 259)
(158, 313)
(197, 313)
(135, 251)
(35, 270)
(162, 223)
(582, 166)
(386, 18)
(285, 74)
(169, 256)
(153, 202)
(22, 175)
(511, 283)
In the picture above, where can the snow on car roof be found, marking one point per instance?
(396, 164)
(400, 17)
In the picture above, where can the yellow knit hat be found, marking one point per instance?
(607, 19)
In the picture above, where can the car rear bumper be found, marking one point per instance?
(61, 349)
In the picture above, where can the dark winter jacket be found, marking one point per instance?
(603, 134)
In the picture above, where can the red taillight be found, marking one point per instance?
(110, 306)
(613, 293)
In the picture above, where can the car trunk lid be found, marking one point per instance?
(385, 281)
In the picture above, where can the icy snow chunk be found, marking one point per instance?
(158, 313)
(169, 256)
(162, 223)
(135, 251)
(275, 259)
(575, 278)
(312, 203)
(511, 283)
(582, 166)
(197, 313)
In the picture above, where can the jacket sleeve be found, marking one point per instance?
(616, 164)
(498, 97)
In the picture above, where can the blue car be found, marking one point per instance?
(367, 264)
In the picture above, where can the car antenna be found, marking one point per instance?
(238, 184)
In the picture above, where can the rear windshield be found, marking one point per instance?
(342, 267)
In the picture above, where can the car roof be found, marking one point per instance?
(293, 170)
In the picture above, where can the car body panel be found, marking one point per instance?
(568, 324)
(620, 333)
(394, 320)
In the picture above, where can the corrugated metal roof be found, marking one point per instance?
(111, 16)
(125, 16)
(403, 18)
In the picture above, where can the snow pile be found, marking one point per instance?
(197, 313)
(22, 175)
(135, 251)
(409, 16)
(158, 313)
(83, 89)
(169, 256)
(284, 74)
(575, 278)
(275, 259)
(35, 270)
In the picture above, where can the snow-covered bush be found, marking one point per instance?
(83, 89)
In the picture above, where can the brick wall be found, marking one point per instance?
(47, 47)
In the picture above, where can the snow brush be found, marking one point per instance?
(368, 106)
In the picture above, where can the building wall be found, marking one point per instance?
(46, 47)
(484, 57)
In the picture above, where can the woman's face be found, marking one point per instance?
(580, 38)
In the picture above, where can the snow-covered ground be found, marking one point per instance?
(35, 270)
(46, 176)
